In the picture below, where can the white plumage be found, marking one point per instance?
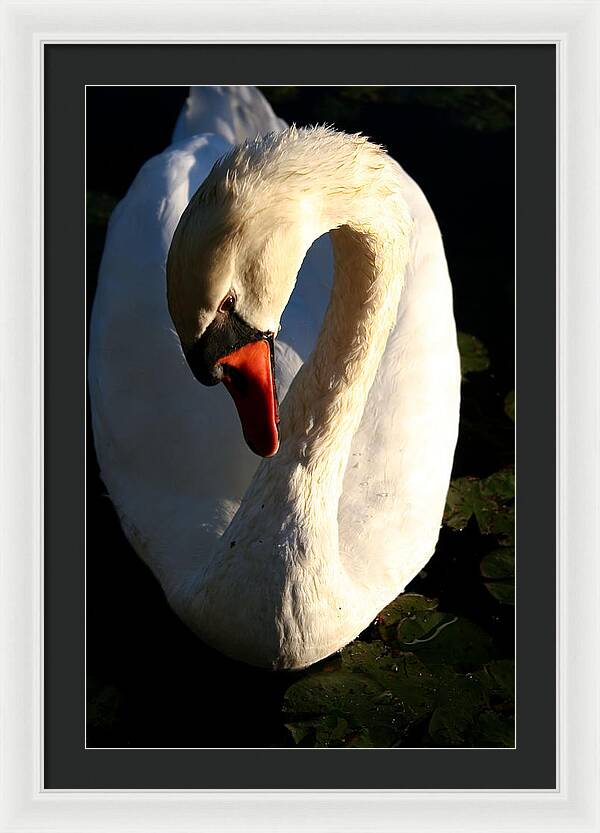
(279, 562)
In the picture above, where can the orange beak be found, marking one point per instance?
(249, 376)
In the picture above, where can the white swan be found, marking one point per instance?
(280, 562)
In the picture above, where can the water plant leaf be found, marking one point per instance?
(500, 485)
(413, 624)
(499, 564)
(493, 729)
(431, 670)
(326, 730)
(359, 739)
(451, 640)
(331, 692)
(498, 679)
(375, 698)
(476, 709)
(463, 500)
(328, 708)
(403, 607)
(498, 571)
(502, 591)
(473, 355)
(404, 675)
(489, 500)
(460, 700)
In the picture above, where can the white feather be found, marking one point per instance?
(334, 527)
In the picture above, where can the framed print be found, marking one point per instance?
(437, 698)
(500, 118)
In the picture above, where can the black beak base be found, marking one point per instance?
(226, 334)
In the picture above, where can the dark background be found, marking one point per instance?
(150, 682)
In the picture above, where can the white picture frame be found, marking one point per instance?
(574, 26)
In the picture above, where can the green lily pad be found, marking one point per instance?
(493, 729)
(448, 640)
(461, 699)
(403, 607)
(471, 727)
(408, 688)
(413, 624)
(431, 671)
(327, 730)
(499, 564)
(500, 485)
(476, 709)
(343, 705)
(502, 591)
(371, 701)
(377, 696)
(404, 675)
(498, 571)
(329, 692)
(509, 405)
(490, 500)
(498, 679)
(473, 355)
(463, 500)
(421, 628)
(495, 725)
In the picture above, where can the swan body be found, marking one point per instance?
(281, 561)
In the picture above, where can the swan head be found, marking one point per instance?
(231, 269)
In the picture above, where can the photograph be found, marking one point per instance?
(300, 434)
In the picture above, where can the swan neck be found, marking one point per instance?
(324, 407)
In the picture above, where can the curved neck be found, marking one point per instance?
(357, 197)
(284, 538)
(325, 403)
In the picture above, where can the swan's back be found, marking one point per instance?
(231, 113)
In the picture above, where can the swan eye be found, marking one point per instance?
(227, 304)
